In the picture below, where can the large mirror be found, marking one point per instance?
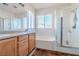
(13, 24)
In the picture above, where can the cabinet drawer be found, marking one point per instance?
(32, 36)
(23, 50)
(23, 43)
(22, 37)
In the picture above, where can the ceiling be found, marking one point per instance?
(45, 5)
(17, 8)
(12, 7)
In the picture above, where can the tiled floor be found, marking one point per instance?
(41, 52)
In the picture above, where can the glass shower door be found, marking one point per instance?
(70, 33)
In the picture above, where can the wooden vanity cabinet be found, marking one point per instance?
(8, 47)
(26, 43)
(23, 45)
(31, 41)
(20, 45)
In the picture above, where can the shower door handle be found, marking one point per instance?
(61, 30)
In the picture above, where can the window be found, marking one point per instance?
(16, 24)
(44, 21)
(31, 20)
(1, 24)
(48, 21)
(40, 22)
(7, 24)
(25, 23)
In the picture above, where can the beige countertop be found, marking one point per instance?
(8, 35)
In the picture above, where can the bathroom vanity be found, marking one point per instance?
(17, 44)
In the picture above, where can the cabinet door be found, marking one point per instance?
(8, 47)
(13, 47)
(23, 45)
(31, 41)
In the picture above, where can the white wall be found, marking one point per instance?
(56, 45)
